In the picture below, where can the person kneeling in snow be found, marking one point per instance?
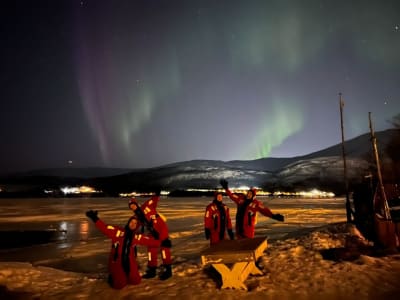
(122, 263)
(247, 208)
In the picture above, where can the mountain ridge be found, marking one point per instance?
(321, 169)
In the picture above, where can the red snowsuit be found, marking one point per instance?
(149, 209)
(217, 220)
(246, 214)
(122, 273)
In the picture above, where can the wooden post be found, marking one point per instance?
(384, 227)
(386, 210)
(346, 182)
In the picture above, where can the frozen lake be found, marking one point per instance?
(184, 219)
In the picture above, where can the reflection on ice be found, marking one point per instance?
(63, 226)
(84, 230)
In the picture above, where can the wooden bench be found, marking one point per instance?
(235, 260)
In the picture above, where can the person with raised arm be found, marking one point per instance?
(157, 227)
(122, 265)
(247, 208)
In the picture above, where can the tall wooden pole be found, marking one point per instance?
(346, 181)
(386, 210)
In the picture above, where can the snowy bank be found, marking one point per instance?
(328, 261)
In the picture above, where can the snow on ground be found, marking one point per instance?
(313, 255)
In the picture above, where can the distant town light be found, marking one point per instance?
(243, 188)
(70, 190)
(86, 189)
(314, 193)
(199, 190)
(137, 194)
(78, 190)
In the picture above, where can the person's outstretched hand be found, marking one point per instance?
(92, 214)
(224, 183)
(278, 217)
(158, 192)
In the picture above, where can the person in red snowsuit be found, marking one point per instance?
(247, 208)
(147, 214)
(122, 264)
(217, 221)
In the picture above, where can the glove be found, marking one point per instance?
(166, 243)
(278, 217)
(158, 192)
(208, 233)
(224, 183)
(91, 214)
(231, 235)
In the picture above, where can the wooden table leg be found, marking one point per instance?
(235, 277)
(231, 278)
(254, 270)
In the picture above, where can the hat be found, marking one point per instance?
(133, 201)
(253, 190)
(216, 193)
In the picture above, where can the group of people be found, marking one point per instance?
(148, 228)
(217, 221)
(122, 264)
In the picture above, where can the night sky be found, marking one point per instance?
(136, 84)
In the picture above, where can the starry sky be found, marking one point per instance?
(137, 84)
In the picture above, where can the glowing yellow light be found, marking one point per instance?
(86, 189)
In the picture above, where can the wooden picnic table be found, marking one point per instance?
(235, 260)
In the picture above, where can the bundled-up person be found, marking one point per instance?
(156, 225)
(247, 208)
(122, 264)
(217, 220)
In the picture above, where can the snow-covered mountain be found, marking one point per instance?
(322, 169)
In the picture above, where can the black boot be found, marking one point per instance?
(166, 273)
(150, 272)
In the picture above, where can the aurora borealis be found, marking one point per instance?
(136, 84)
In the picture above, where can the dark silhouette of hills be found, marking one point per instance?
(322, 169)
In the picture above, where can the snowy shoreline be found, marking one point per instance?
(293, 268)
(293, 263)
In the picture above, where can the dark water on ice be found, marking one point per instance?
(64, 215)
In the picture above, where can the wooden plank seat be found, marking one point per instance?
(235, 260)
